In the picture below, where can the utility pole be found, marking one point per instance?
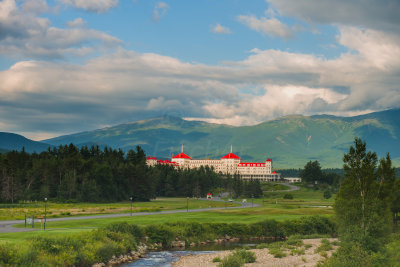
(45, 213)
(131, 198)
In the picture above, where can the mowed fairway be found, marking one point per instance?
(305, 202)
(57, 210)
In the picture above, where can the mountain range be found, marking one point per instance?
(290, 141)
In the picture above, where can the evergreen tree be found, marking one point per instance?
(312, 172)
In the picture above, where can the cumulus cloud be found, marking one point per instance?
(160, 10)
(24, 34)
(372, 14)
(127, 85)
(96, 6)
(268, 26)
(219, 29)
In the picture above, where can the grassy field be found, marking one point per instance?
(56, 210)
(305, 202)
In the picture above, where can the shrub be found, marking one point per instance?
(245, 255)
(355, 255)
(288, 196)
(125, 227)
(327, 194)
(159, 234)
(277, 252)
(216, 259)
(230, 261)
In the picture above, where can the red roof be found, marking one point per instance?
(269, 159)
(251, 164)
(151, 158)
(274, 172)
(181, 156)
(160, 161)
(230, 156)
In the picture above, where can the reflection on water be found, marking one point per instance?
(165, 258)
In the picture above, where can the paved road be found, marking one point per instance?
(291, 188)
(7, 226)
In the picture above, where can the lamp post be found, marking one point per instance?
(252, 199)
(131, 198)
(187, 204)
(45, 213)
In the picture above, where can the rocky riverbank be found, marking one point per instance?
(310, 258)
(130, 257)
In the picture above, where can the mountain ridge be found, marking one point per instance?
(290, 140)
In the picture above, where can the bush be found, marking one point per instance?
(125, 227)
(159, 234)
(216, 259)
(277, 252)
(230, 261)
(245, 255)
(327, 194)
(288, 196)
(355, 255)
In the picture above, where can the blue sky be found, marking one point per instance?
(75, 65)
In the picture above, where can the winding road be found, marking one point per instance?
(7, 226)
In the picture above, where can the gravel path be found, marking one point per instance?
(310, 258)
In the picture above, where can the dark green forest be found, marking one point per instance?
(89, 174)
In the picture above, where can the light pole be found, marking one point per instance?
(252, 199)
(131, 198)
(45, 213)
(187, 204)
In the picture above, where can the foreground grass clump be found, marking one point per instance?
(83, 249)
(279, 249)
(238, 258)
(100, 245)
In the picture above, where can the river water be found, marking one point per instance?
(166, 258)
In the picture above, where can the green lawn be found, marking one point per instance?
(277, 212)
(305, 202)
(56, 210)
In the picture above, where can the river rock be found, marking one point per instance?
(178, 244)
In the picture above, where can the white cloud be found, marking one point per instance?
(97, 6)
(125, 86)
(272, 26)
(219, 29)
(78, 22)
(24, 34)
(379, 15)
(160, 10)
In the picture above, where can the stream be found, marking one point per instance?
(166, 258)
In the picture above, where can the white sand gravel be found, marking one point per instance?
(310, 258)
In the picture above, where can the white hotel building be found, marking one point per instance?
(228, 164)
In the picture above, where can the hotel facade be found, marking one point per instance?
(228, 164)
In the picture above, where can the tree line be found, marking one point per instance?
(89, 174)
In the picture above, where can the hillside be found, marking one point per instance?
(11, 141)
(290, 141)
